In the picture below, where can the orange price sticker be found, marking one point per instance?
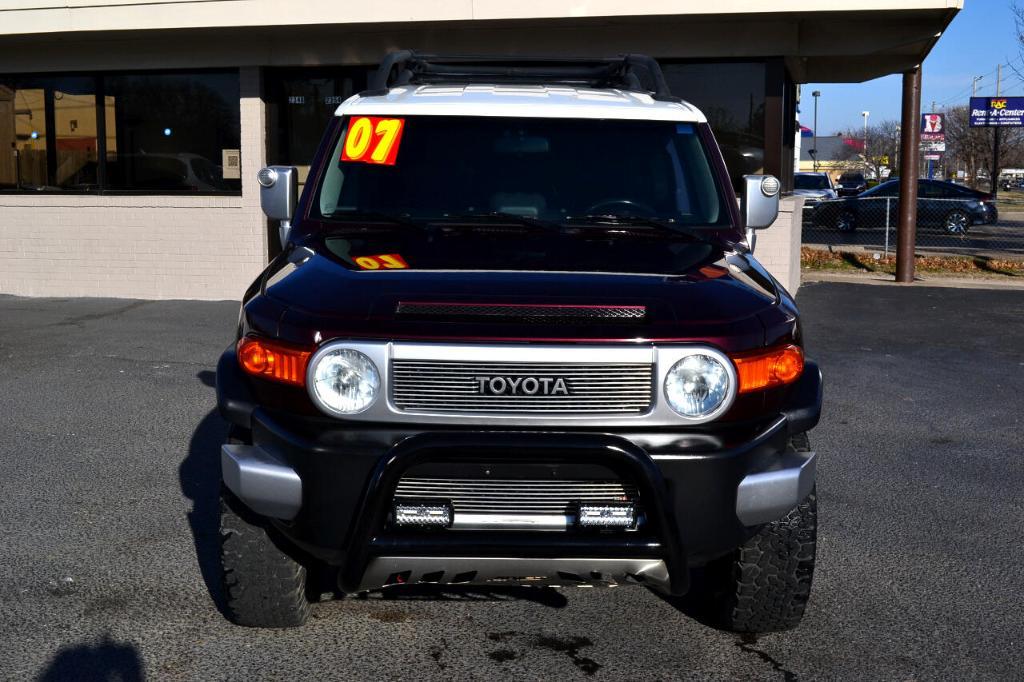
(371, 139)
(384, 261)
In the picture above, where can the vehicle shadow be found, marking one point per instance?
(199, 477)
(107, 660)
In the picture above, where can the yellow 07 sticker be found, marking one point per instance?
(371, 139)
(384, 261)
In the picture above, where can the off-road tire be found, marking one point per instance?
(263, 586)
(764, 585)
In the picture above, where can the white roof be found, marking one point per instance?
(527, 101)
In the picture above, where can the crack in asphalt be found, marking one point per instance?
(116, 312)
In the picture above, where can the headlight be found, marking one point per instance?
(343, 381)
(698, 385)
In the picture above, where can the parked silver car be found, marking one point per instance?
(814, 188)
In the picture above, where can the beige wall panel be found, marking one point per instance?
(778, 247)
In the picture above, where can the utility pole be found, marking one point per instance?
(865, 114)
(911, 142)
(994, 176)
(931, 168)
(973, 169)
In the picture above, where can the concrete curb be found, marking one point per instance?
(811, 276)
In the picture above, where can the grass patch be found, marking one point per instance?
(855, 261)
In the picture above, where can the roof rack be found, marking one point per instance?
(633, 72)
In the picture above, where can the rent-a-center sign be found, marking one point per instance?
(987, 112)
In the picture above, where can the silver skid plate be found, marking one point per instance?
(397, 570)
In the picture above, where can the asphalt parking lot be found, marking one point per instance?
(108, 490)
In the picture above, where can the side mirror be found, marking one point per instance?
(759, 204)
(279, 195)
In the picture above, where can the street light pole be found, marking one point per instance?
(865, 114)
(972, 170)
(816, 94)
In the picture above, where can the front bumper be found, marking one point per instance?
(328, 488)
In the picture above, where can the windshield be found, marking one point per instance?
(438, 168)
(851, 177)
(810, 182)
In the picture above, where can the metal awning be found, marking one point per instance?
(821, 40)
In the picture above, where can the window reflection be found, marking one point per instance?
(23, 133)
(49, 126)
(76, 133)
(732, 96)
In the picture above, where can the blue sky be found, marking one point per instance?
(981, 36)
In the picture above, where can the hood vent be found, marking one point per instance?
(518, 312)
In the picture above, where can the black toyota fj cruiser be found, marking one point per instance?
(517, 335)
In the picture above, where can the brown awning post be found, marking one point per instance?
(910, 145)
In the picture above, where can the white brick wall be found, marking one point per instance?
(778, 247)
(154, 247)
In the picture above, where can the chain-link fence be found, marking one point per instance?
(945, 227)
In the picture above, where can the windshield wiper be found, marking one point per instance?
(633, 221)
(497, 218)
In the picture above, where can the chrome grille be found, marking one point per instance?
(443, 386)
(487, 496)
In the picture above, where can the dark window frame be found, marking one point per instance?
(101, 136)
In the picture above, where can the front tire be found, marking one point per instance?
(957, 223)
(846, 221)
(764, 585)
(263, 586)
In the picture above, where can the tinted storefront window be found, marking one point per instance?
(732, 96)
(173, 132)
(142, 132)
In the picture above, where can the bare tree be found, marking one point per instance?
(970, 149)
(883, 143)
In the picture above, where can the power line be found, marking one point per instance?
(963, 92)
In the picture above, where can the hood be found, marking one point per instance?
(717, 299)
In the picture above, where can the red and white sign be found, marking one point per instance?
(932, 123)
(933, 127)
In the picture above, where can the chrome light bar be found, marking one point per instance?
(606, 515)
(423, 513)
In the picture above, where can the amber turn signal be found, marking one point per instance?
(274, 361)
(768, 368)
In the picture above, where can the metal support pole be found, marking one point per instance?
(911, 132)
(888, 205)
